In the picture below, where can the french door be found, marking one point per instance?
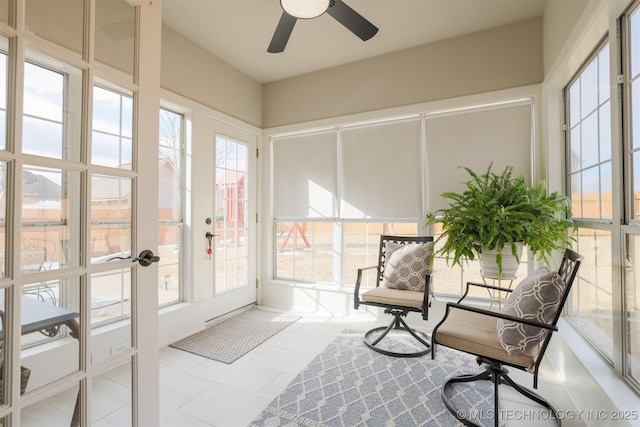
(232, 185)
(79, 103)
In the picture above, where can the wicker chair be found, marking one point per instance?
(403, 285)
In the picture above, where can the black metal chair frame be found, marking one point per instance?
(495, 370)
(397, 311)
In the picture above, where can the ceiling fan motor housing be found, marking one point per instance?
(308, 9)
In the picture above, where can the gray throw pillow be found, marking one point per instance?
(537, 298)
(406, 265)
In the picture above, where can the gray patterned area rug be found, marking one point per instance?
(231, 339)
(349, 385)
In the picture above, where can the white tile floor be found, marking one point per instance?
(196, 391)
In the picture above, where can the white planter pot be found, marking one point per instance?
(510, 264)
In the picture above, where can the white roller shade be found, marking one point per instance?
(305, 176)
(475, 139)
(381, 171)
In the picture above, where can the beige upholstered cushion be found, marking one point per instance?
(476, 333)
(406, 265)
(399, 297)
(537, 298)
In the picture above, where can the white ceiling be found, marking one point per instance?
(239, 31)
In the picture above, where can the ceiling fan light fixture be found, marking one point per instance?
(304, 9)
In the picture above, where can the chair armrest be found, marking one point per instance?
(482, 285)
(499, 315)
(451, 305)
(356, 291)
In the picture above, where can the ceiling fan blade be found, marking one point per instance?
(282, 33)
(352, 20)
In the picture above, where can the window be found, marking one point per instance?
(451, 280)
(382, 177)
(589, 136)
(496, 134)
(362, 241)
(326, 225)
(631, 297)
(589, 175)
(170, 210)
(308, 251)
(305, 251)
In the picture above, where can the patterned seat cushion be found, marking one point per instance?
(537, 298)
(406, 265)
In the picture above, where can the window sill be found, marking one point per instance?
(609, 381)
(308, 285)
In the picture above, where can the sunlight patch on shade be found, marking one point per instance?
(350, 211)
(320, 202)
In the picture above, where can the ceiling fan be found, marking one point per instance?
(292, 10)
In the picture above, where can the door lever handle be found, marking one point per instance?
(146, 257)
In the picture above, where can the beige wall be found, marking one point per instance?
(559, 20)
(499, 58)
(494, 59)
(190, 71)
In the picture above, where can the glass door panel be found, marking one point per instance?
(46, 18)
(52, 108)
(110, 303)
(112, 138)
(50, 219)
(116, 35)
(3, 317)
(3, 219)
(110, 217)
(50, 341)
(57, 410)
(111, 397)
(231, 225)
(4, 48)
(4, 11)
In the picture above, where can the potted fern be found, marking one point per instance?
(497, 214)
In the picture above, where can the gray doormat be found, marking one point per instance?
(231, 339)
